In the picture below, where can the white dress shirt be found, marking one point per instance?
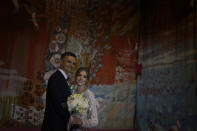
(64, 74)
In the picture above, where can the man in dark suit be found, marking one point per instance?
(56, 117)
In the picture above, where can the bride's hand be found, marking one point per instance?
(75, 120)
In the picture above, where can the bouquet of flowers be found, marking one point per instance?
(78, 104)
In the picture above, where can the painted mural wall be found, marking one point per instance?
(103, 35)
(167, 88)
(22, 60)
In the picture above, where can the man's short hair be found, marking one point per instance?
(68, 54)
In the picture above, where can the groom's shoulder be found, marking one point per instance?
(55, 74)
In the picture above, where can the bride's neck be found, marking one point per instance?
(81, 89)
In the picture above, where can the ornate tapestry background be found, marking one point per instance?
(102, 33)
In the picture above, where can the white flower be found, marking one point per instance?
(53, 46)
(78, 103)
(55, 60)
(61, 38)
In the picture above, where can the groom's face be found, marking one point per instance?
(68, 63)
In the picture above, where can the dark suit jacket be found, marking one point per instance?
(56, 117)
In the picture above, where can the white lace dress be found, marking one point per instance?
(91, 119)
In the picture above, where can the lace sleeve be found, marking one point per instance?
(91, 120)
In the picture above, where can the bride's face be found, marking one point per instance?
(81, 79)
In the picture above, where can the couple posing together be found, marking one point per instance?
(58, 118)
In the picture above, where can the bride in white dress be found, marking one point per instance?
(91, 119)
